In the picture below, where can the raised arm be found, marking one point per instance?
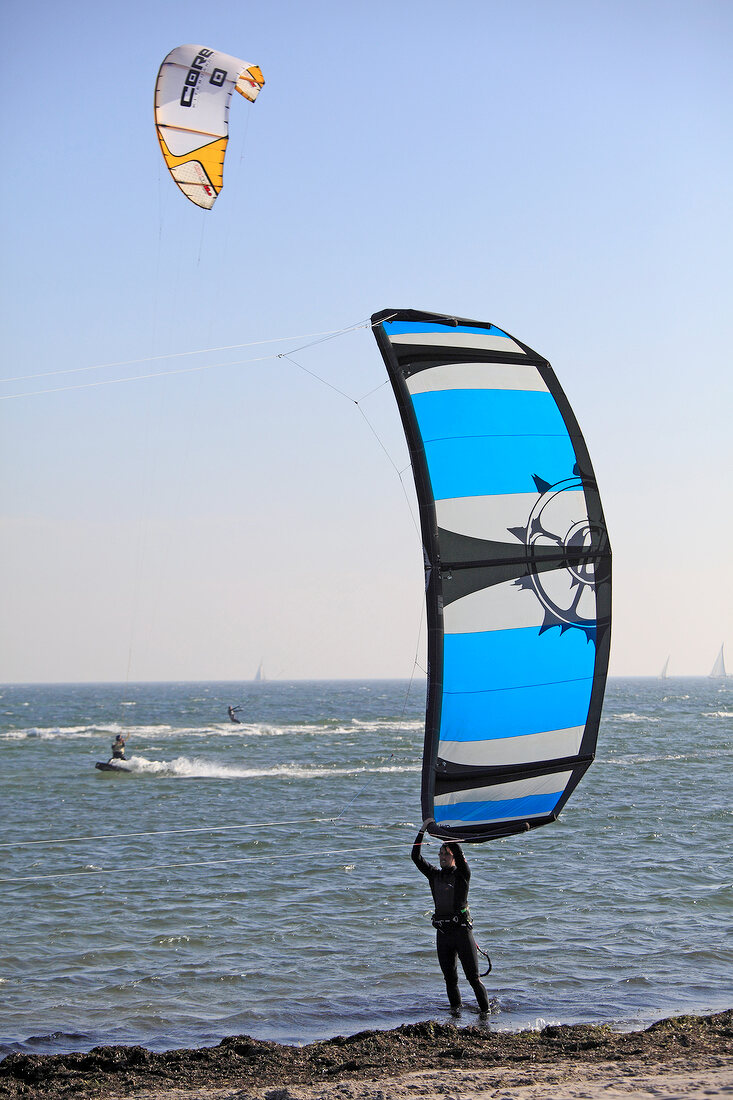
(416, 855)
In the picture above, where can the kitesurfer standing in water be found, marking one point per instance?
(449, 887)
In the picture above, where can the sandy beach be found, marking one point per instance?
(687, 1056)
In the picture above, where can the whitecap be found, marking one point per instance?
(631, 716)
(184, 767)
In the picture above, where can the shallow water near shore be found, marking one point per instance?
(312, 921)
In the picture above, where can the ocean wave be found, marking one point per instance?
(185, 767)
(90, 732)
(95, 731)
(632, 716)
(47, 733)
(327, 727)
(54, 1042)
(634, 759)
(717, 714)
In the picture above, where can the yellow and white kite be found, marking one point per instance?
(192, 95)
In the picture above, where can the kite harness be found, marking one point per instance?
(464, 920)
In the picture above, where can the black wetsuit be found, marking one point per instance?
(454, 936)
(118, 749)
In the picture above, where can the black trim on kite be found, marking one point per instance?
(481, 833)
(459, 777)
(431, 550)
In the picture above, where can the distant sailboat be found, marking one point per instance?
(260, 673)
(663, 673)
(718, 672)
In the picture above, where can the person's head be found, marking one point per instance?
(446, 857)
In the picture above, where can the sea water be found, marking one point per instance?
(256, 878)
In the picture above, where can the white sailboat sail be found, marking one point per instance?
(718, 670)
(663, 673)
(260, 673)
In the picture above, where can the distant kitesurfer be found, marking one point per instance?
(232, 712)
(118, 747)
(454, 938)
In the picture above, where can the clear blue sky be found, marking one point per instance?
(562, 169)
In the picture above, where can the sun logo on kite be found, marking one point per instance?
(559, 522)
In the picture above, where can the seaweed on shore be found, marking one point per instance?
(240, 1061)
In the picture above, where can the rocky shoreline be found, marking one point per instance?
(409, 1060)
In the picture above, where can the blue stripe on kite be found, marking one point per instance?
(514, 712)
(490, 659)
(397, 328)
(488, 467)
(445, 414)
(532, 805)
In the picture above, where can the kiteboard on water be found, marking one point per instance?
(110, 767)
